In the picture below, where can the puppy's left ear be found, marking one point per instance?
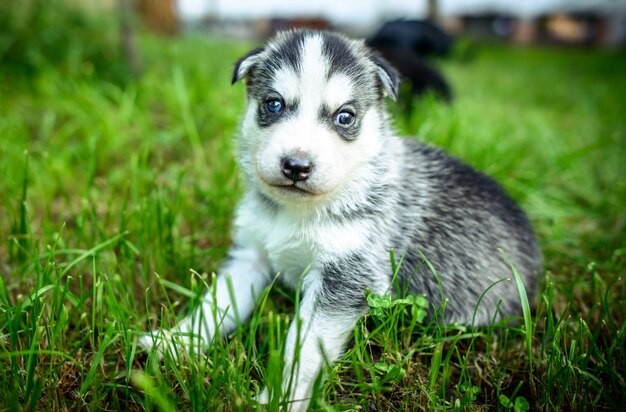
(245, 63)
(388, 76)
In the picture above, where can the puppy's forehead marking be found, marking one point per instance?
(320, 77)
(313, 67)
(312, 73)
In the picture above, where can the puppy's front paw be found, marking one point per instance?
(294, 405)
(263, 398)
(174, 343)
(157, 340)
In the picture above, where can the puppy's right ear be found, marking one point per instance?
(244, 64)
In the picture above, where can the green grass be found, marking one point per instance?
(111, 192)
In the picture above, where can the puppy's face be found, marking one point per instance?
(315, 114)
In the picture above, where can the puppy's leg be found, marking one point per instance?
(245, 274)
(331, 306)
(322, 336)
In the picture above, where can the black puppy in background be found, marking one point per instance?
(407, 44)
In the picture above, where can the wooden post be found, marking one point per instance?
(432, 13)
(128, 38)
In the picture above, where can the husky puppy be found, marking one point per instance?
(330, 190)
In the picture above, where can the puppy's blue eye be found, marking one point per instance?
(345, 118)
(274, 105)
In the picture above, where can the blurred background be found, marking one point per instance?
(600, 22)
(52, 25)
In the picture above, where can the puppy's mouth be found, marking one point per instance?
(292, 189)
(288, 190)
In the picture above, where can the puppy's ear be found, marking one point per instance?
(387, 75)
(245, 63)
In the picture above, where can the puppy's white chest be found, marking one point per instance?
(291, 262)
(286, 243)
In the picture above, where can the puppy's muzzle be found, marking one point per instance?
(296, 169)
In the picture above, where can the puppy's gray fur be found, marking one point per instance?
(328, 228)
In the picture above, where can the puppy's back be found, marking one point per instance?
(459, 218)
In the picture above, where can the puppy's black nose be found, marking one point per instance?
(296, 169)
